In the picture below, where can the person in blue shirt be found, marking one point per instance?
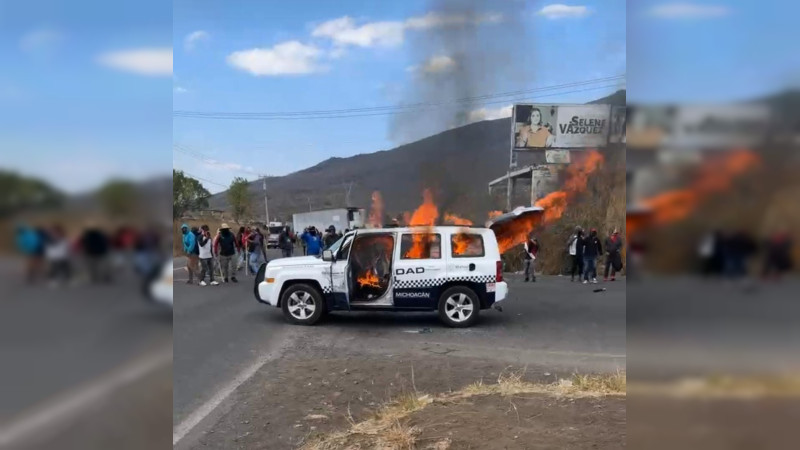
(191, 250)
(30, 243)
(313, 241)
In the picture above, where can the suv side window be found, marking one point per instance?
(466, 245)
(421, 246)
(344, 250)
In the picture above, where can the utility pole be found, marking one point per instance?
(266, 203)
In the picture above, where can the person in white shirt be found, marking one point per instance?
(56, 252)
(531, 250)
(206, 257)
(574, 246)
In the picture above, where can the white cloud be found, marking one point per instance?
(477, 115)
(688, 11)
(193, 38)
(143, 61)
(286, 58)
(344, 30)
(434, 65)
(559, 11)
(180, 90)
(40, 39)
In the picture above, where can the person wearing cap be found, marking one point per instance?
(206, 256)
(613, 255)
(312, 240)
(330, 237)
(225, 247)
(591, 250)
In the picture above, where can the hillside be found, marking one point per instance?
(457, 164)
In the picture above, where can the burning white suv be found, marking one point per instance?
(456, 271)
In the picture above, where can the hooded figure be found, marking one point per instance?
(189, 240)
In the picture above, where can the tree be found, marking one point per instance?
(187, 194)
(239, 197)
(118, 198)
(18, 193)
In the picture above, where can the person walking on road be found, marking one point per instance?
(591, 250)
(613, 255)
(206, 255)
(255, 243)
(312, 241)
(285, 242)
(189, 246)
(531, 250)
(57, 252)
(575, 248)
(225, 247)
(31, 243)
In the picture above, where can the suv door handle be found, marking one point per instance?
(471, 267)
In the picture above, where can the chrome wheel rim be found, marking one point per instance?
(301, 305)
(459, 307)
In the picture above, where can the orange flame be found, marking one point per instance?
(514, 232)
(376, 211)
(369, 279)
(555, 203)
(493, 214)
(453, 219)
(424, 216)
(715, 175)
(461, 242)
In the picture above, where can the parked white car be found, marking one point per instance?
(456, 271)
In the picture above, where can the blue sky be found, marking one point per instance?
(83, 90)
(305, 56)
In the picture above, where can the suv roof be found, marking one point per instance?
(423, 229)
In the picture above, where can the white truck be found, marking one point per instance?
(341, 218)
(274, 230)
(456, 271)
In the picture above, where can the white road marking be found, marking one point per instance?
(71, 403)
(182, 429)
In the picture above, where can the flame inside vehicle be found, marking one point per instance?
(376, 211)
(577, 177)
(462, 241)
(425, 216)
(369, 278)
(453, 219)
(714, 175)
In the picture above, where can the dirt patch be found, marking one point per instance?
(298, 400)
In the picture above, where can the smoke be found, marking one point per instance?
(464, 59)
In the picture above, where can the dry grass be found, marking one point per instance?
(388, 428)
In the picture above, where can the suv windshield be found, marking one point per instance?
(275, 230)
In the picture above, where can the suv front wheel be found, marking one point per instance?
(302, 304)
(459, 307)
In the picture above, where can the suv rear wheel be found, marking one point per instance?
(459, 307)
(302, 304)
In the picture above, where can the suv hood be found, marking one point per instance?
(296, 261)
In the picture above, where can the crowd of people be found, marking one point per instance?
(585, 250)
(55, 256)
(226, 253)
(731, 254)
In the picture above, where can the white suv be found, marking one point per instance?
(455, 270)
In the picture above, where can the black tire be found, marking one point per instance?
(462, 294)
(307, 295)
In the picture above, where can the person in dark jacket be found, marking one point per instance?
(285, 242)
(531, 251)
(591, 250)
(225, 247)
(613, 254)
(95, 245)
(330, 237)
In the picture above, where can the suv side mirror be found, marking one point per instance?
(327, 255)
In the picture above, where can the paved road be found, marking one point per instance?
(59, 344)
(219, 331)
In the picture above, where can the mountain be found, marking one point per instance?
(456, 164)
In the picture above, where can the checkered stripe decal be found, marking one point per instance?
(326, 289)
(433, 282)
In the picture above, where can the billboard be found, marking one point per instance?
(539, 126)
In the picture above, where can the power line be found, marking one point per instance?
(201, 157)
(204, 179)
(488, 99)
